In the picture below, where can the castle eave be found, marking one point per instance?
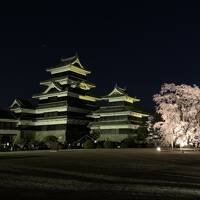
(9, 132)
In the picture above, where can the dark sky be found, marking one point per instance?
(139, 45)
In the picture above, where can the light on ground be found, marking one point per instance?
(158, 149)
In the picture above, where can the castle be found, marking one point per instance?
(67, 110)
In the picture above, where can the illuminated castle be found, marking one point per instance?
(62, 105)
(66, 109)
(118, 117)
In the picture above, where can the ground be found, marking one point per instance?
(100, 174)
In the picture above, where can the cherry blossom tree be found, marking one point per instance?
(179, 108)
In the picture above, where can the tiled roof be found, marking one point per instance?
(117, 91)
(68, 61)
(70, 77)
(112, 109)
(25, 103)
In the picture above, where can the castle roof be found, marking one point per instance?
(119, 94)
(73, 60)
(117, 91)
(124, 108)
(24, 103)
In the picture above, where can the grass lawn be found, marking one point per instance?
(100, 174)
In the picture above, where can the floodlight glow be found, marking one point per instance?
(158, 149)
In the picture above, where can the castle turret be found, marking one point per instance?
(63, 103)
(118, 117)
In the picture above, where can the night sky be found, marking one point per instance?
(139, 46)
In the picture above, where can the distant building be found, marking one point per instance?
(24, 111)
(118, 117)
(8, 128)
(61, 107)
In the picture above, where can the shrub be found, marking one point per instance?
(150, 145)
(99, 145)
(64, 145)
(129, 143)
(88, 144)
(16, 147)
(4, 148)
(124, 145)
(142, 134)
(42, 146)
(50, 138)
(51, 142)
(109, 145)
